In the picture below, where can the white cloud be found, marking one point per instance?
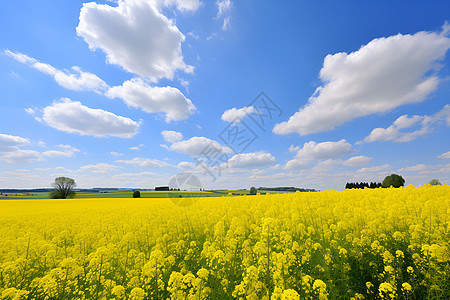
(426, 124)
(171, 136)
(136, 36)
(144, 162)
(76, 79)
(380, 76)
(378, 169)
(73, 117)
(423, 169)
(419, 167)
(11, 152)
(251, 160)
(168, 100)
(184, 5)
(20, 156)
(29, 111)
(313, 151)
(99, 168)
(68, 151)
(445, 155)
(235, 115)
(224, 10)
(199, 146)
(10, 142)
(137, 148)
(116, 153)
(186, 165)
(357, 161)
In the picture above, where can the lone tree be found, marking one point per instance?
(63, 188)
(435, 182)
(252, 191)
(136, 194)
(393, 180)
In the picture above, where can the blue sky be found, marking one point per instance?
(131, 93)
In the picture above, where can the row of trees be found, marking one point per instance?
(361, 185)
(391, 180)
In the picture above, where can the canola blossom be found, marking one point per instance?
(352, 244)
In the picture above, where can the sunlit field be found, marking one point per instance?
(361, 244)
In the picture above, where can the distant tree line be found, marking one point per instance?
(361, 185)
(393, 180)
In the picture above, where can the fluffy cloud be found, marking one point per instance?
(235, 115)
(144, 162)
(425, 123)
(199, 146)
(444, 170)
(76, 79)
(137, 148)
(171, 136)
(73, 117)
(445, 155)
(357, 161)
(135, 35)
(419, 167)
(11, 152)
(251, 160)
(312, 151)
(168, 100)
(99, 168)
(183, 5)
(380, 76)
(68, 151)
(185, 165)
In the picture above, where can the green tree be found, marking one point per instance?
(435, 182)
(252, 191)
(393, 180)
(63, 188)
(136, 194)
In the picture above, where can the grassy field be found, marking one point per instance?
(144, 194)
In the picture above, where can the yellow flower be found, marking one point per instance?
(406, 287)
(290, 295)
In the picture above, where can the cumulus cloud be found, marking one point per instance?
(135, 35)
(171, 136)
(199, 146)
(445, 155)
(427, 169)
(425, 125)
(144, 162)
(10, 151)
(75, 79)
(137, 148)
(99, 168)
(312, 151)
(67, 151)
(380, 76)
(115, 153)
(168, 100)
(251, 160)
(419, 167)
(357, 161)
(73, 117)
(235, 115)
(185, 165)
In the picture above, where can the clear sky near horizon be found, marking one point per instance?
(130, 93)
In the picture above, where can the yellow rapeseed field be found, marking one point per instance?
(360, 244)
